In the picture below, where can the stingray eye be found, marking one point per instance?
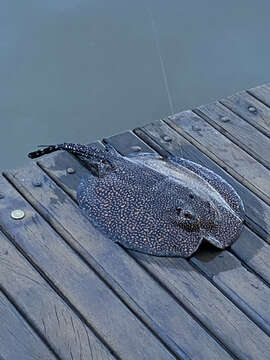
(178, 209)
(188, 215)
(208, 205)
(191, 196)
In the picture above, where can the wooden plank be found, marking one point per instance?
(136, 288)
(262, 93)
(257, 211)
(181, 288)
(250, 109)
(78, 285)
(238, 130)
(254, 252)
(17, 339)
(244, 288)
(67, 335)
(129, 142)
(208, 304)
(255, 305)
(223, 151)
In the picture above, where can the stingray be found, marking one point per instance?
(164, 206)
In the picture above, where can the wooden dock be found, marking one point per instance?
(66, 292)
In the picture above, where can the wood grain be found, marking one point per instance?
(238, 130)
(46, 310)
(223, 151)
(254, 252)
(250, 109)
(261, 93)
(72, 278)
(17, 339)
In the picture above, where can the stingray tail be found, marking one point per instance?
(47, 150)
(76, 149)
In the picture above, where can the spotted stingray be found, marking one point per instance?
(159, 206)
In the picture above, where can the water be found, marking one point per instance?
(80, 70)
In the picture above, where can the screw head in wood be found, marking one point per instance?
(136, 148)
(224, 119)
(36, 183)
(252, 109)
(195, 128)
(70, 170)
(17, 214)
(167, 138)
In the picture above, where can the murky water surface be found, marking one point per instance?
(79, 70)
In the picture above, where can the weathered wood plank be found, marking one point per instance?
(76, 282)
(17, 339)
(129, 143)
(249, 247)
(228, 155)
(238, 130)
(208, 304)
(262, 93)
(255, 306)
(139, 291)
(186, 293)
(254, 252)
(257, 211)
(49, 314)
(244, 288)
(250, 109)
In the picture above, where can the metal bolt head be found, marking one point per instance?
(136, 148)
(167, 138)
(70, 170)
(17, 214)
(224, 119)
(36, 183)
(252, 109)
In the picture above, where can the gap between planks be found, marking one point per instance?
(31, 343)
(57, 291)
(231, 137)
(253, 97)
(29, 322)
(216, 158)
